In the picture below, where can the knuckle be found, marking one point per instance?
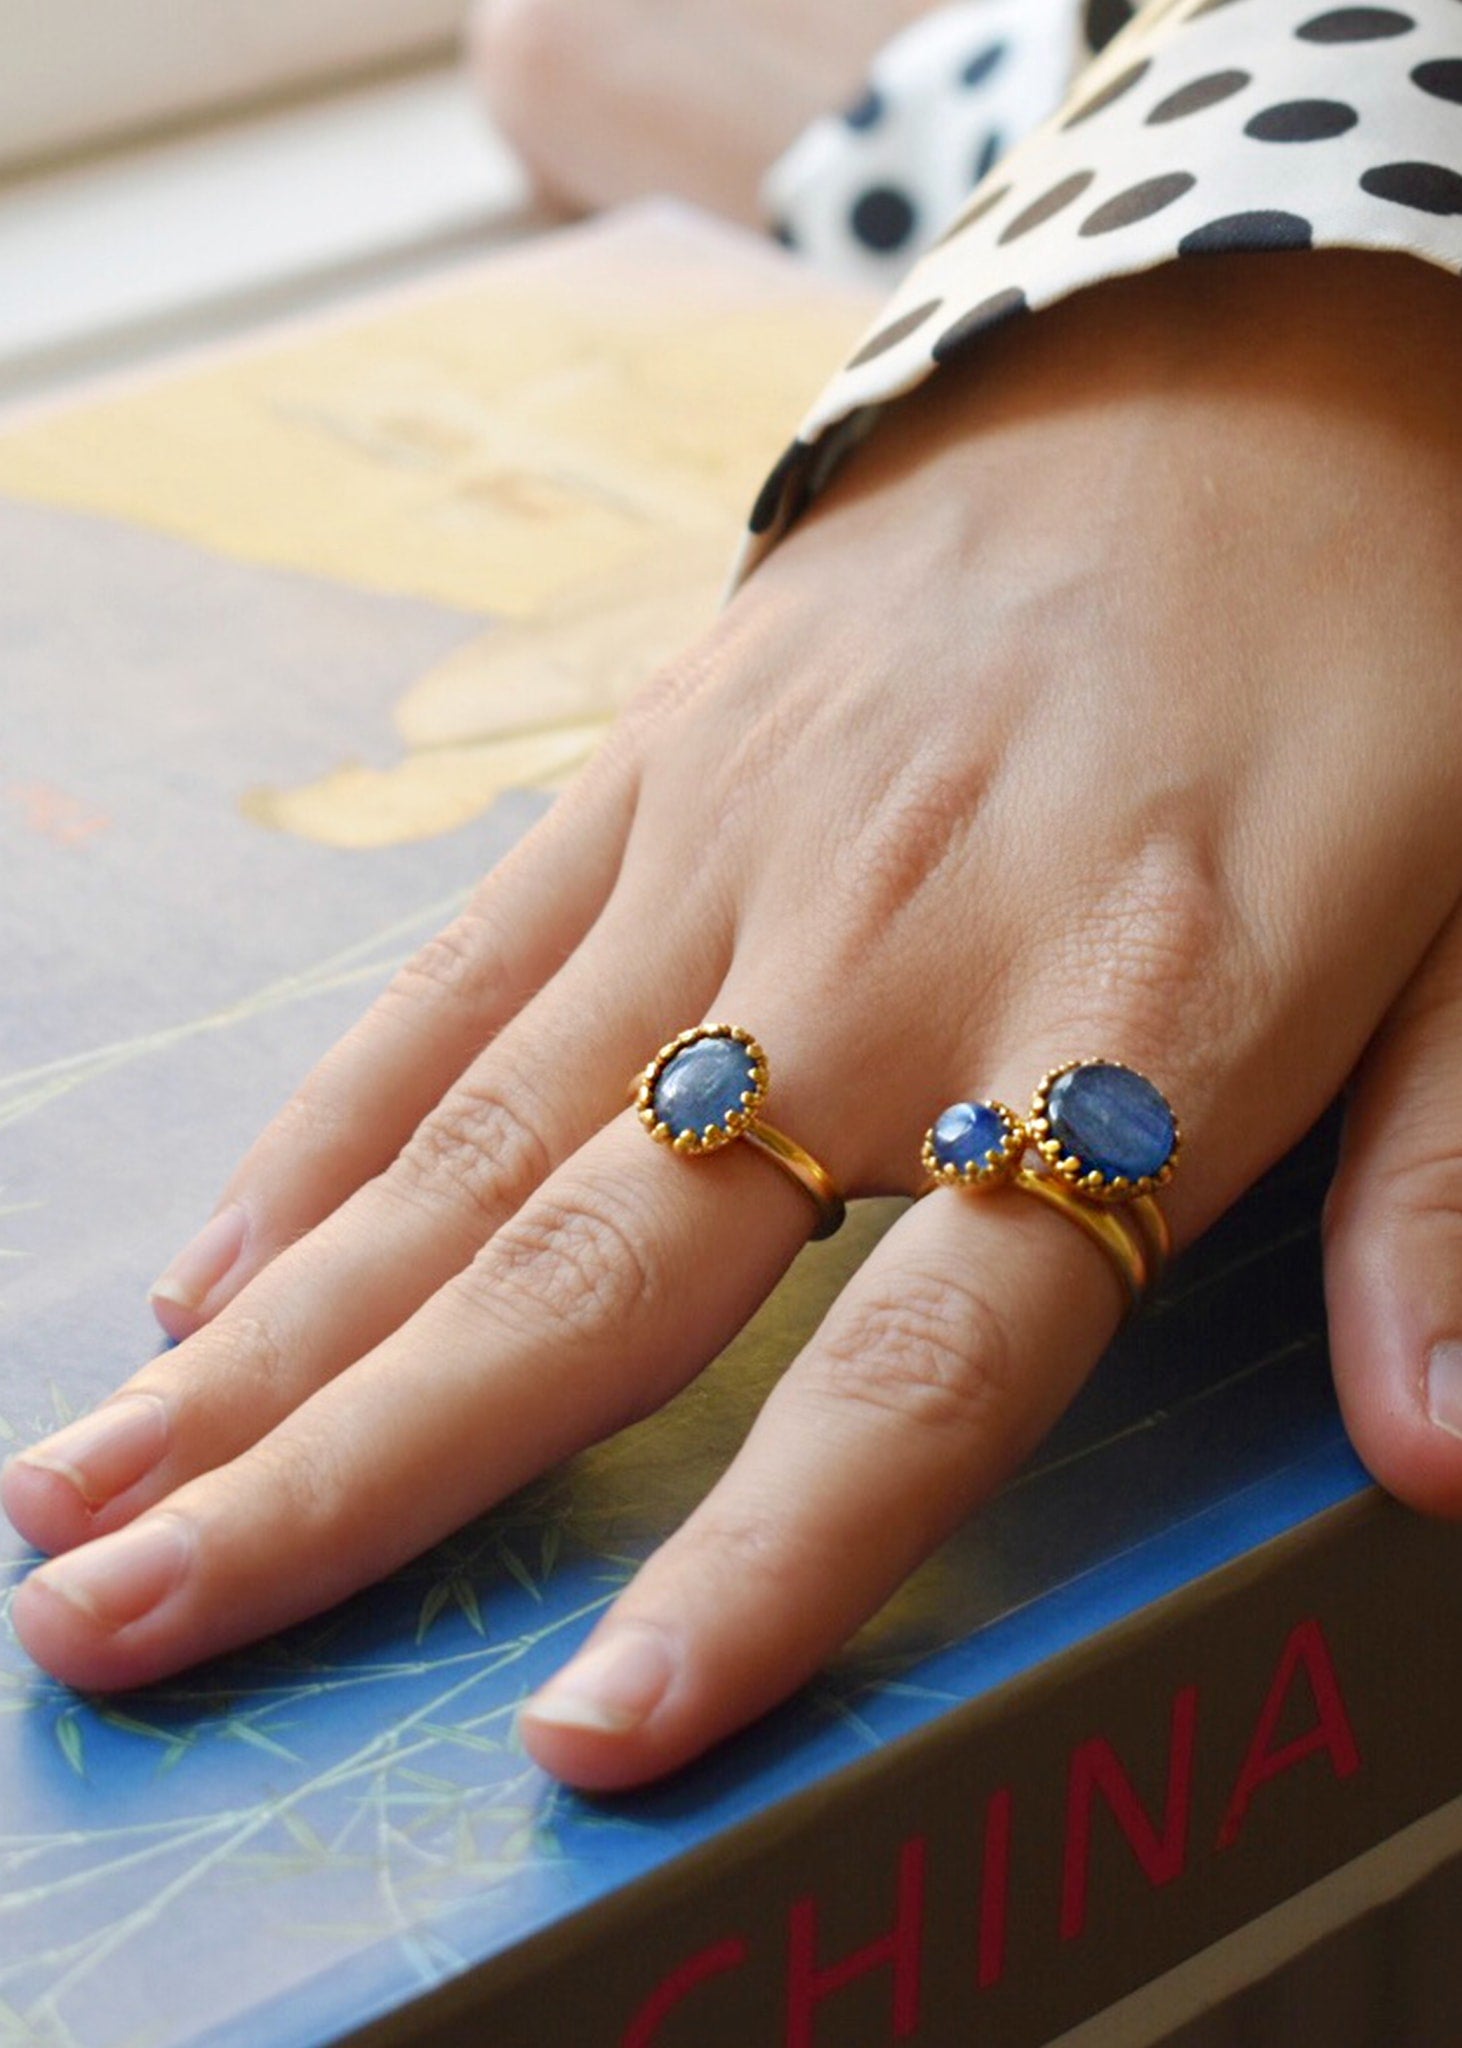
(917, 823)
(245, 1351)
(898, 859)
(300, 1473)
(744, 1549)
(940, 1355)
(582, 1263)
(463, 963)
(1421, 1183)
(1164, 942)
(314, 1121)
(477, 1149)
(672, 687)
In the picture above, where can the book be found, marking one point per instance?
(298, 637)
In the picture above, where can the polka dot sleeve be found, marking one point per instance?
(1203, 126)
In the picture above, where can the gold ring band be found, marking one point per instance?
(703, 1090)
(1132, 1254)
(815, 1180)
(1153, 1224)
(1108, 1138)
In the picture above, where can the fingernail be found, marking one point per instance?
(108, 1450)
(611, 1687)
(199, 1266)
(1444, 1386)
(118, 1578)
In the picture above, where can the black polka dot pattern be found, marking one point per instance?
(866, 111)
(985, 203)
(1105, 19)
(1047, 206)
(1302, 121)
(895, 332)
(1198, 96)
(786, 478)
(979, 320)
(1213, 127)
(989, 153)
(883, 218)
(1265, 228)
(982, 64)
(1356, 25)
(1109, 94)
(1138, 202)
(1429, 188)
(1442, 78)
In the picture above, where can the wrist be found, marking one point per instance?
(1307, 350)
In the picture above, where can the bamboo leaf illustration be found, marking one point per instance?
(429, 1781)
(436, 1599)
(257, 1739)
(129, 1725)
(68, 1734)
(303, 1833)
(516, 1569)
(462, 1738)
(465, 1594)
(549, 1549)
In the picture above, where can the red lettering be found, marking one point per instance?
(995, 1888)
(1332, 1731)
(902, 1946)
(1095, 1767)
(644, 2029)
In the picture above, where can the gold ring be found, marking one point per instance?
(1130, 1252)
(702, 1090)
(1108, 1138)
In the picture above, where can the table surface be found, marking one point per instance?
(264, 759)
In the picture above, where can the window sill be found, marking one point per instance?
(182, 241)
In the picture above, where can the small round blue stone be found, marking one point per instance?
(703, 1084)
(966, 1134)
(1112, 1119)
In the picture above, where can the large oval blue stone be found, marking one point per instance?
(1113, 1119)
(966, 1134)
(703, 1084)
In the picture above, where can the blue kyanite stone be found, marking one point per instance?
(966, 1133)
(703, 1084)
(1112, 1119)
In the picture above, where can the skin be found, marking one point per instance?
(629, 97)
(1107, 701)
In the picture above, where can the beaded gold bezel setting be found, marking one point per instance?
(711, 1137)
(1081, 1174)
(998, 1163)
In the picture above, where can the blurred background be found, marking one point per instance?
(171, 169)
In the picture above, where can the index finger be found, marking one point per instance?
(570, 1323)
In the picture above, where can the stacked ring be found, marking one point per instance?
(1108, 1141)
(703, 1089)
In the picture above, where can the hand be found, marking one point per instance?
(1106, 702)
(633, 97)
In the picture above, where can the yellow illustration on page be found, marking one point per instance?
(562, 443)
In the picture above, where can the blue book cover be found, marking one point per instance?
(294, 1840)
